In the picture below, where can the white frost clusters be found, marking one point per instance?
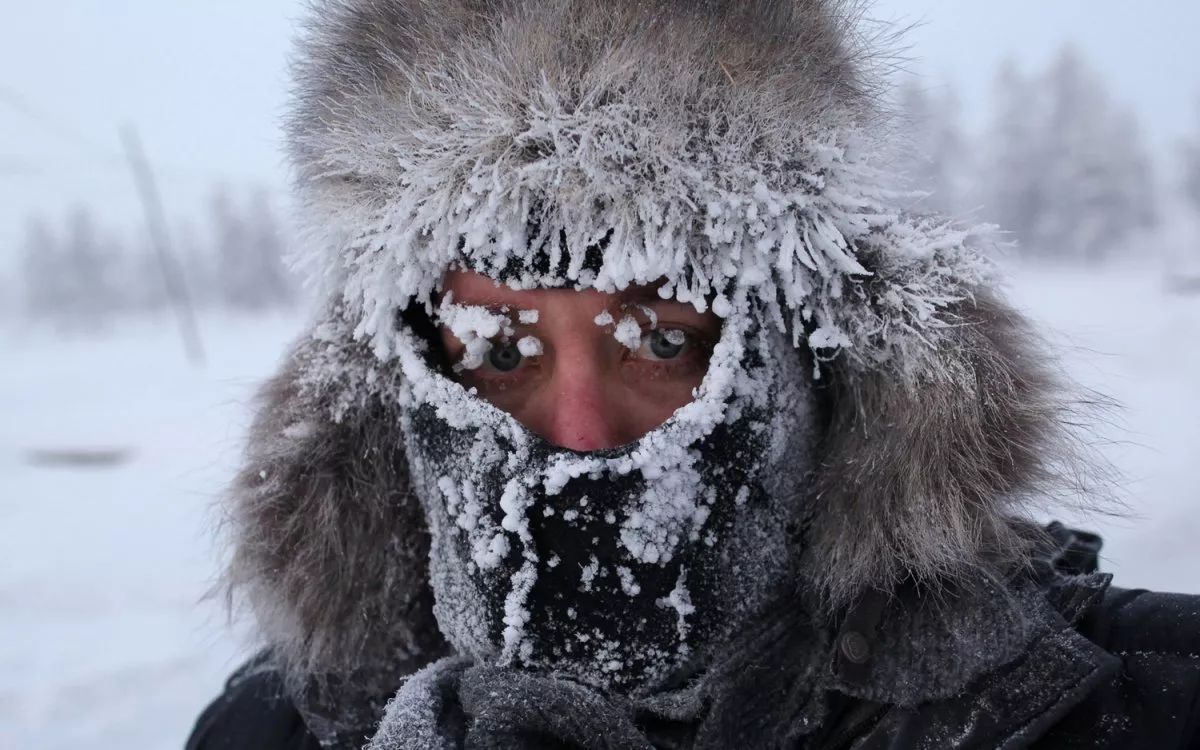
(674, 336)
(474, 326)
(680, 600)
(811, 228)
(629, 333)
(530, 346)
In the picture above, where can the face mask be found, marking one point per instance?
(619, 567)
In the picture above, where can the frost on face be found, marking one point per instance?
(629, 333)
(474, 326)
(588, 574)
(680, 600)
(488, 486)
(530, 346)
(796, 232)
(477, 326)
(671, 511)
(629, 583)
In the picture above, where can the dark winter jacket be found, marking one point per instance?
(1122, 670)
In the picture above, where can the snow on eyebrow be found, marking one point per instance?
(629, 333)
(474, 326)
(815, 231)
(528, 317)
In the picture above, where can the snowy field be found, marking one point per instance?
(105, 641)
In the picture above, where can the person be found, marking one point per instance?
(643, 411)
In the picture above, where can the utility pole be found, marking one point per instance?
(159, 236)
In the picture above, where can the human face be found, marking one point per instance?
(605, 368)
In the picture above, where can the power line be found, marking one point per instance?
(99, 154)
(56, 125)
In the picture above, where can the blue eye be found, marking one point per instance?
(666, 343)
(504, 356)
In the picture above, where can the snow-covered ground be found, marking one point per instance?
(1124, 334)
(104, 639)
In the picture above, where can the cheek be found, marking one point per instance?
(653, 397)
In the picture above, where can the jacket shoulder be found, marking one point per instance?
(1153, 700)
(1130, 622)
(253, 713)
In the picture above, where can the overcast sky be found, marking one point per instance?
(205, 81)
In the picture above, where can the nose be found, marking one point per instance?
(582, 413)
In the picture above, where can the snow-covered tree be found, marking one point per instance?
(45, 290)
(91, 266)
(249, 248)
(1012, 183)
(1097, 177)
(936, 157)
(276, 288)
(1191, 170)
(1068, 172)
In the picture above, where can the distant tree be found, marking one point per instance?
(1191, 169)
(91, 267)
(147, 287)
(1098, 178)
(234, 273)
(1012, 185)
(250, 271)
(42, 273)
(197, 263)
(270, 247)
(937, 158)
(1069, 173)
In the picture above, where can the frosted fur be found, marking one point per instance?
(326, 537)
(919, 477)
(485, 134)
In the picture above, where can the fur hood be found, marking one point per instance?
(421, 131)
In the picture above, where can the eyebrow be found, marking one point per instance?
(641, 294)
(496, 298)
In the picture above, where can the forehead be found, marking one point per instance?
(473, 288)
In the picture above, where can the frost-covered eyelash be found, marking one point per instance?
(476, 326)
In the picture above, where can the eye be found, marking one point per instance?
(664, 343)
(504, 356)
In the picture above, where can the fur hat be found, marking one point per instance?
(514, 135)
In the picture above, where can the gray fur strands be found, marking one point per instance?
(943, 483)
(329, 549)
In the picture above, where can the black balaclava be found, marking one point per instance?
(617, 567)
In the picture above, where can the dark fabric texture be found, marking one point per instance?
(1105, 668)
(253, 712)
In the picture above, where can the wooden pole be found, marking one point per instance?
(156, 222)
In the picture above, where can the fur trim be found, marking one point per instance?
(714, 145)
(329, 547)
(938, 484)
(926, 469)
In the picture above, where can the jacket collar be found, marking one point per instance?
(1009, 706)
